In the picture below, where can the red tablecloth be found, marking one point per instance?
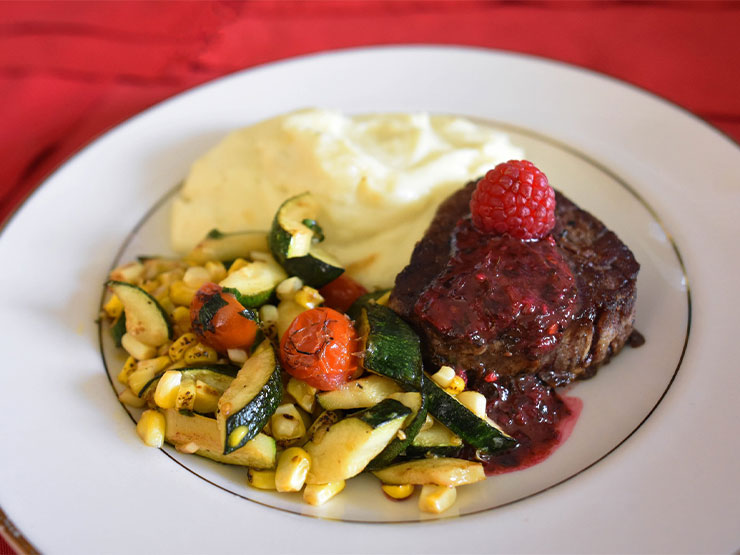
(69, 71)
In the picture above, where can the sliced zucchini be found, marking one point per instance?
(118, 329)
(304, 394)
(358, 394)
(254, 283)
(436, 441)
(368, 298)
(391, 347)
(259, 452)
(414, 421)
(216, 376)
(146, 373)
(350, 444)
(480, 433)
(293, 241)
(440, 472)
(321, 425)
(225, 247)
(146, 321)
(246, 406)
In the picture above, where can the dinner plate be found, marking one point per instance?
(650, 464)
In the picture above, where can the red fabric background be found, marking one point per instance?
(71, 70)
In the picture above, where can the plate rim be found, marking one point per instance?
(6, 524)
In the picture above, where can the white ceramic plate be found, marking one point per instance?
(651, 463)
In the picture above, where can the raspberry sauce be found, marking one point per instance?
(532, 413)
(496, 287)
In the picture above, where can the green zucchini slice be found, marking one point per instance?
(350, 444)
(180, 430)
(440, 472)
(225, 247)
(251, 398)
(480, 433)
(293, 241)
(355, 310)
(358, 394)
(118, 329)
(146, 320)
(414, 421)
(321, 425)
(254, 283)
(391, 347)
(217, 376)
(436, 441)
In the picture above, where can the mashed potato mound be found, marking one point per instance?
(379, 179)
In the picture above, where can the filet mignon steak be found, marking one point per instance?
(558, 308)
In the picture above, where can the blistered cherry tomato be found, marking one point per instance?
(219, 320)
(341, 293)
(320, 348)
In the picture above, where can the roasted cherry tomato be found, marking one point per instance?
(341, 293)
(219, 320)
(320, 348)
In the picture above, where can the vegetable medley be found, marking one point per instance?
(255, 350)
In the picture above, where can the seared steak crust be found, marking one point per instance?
(605, 272)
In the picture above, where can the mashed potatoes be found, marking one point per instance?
(379, 179)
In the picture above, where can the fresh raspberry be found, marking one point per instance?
(515, 198)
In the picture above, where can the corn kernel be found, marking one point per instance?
(475, 402)
(383, 299)
(206, 398)
(181, 319)
(196, 276)
(187, 448)
(151, 428)
(269, 318)
(128, 398)
(318, 494)
(292, 468)
(132, 272)
(216, 270)
(168, 387)
(238, 356)
(398, 492)
(304, 394)
(145, 372)
(286, 423)
(181, 294)
(200, 353)
(168, 278)
(237, 265)
(287, 288)
(114, 307)
(164, 349)
(456, 385)
(185, 400)
(261, 479)
(287, 311)
(181, 344)
(443, 376)
(165, 302)
(150, 286)
(137, 349)
(436, 499)
(261, 256)
(128, 367)
(308, 297)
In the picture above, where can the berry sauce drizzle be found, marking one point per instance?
(498, 287)
(532, 413)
